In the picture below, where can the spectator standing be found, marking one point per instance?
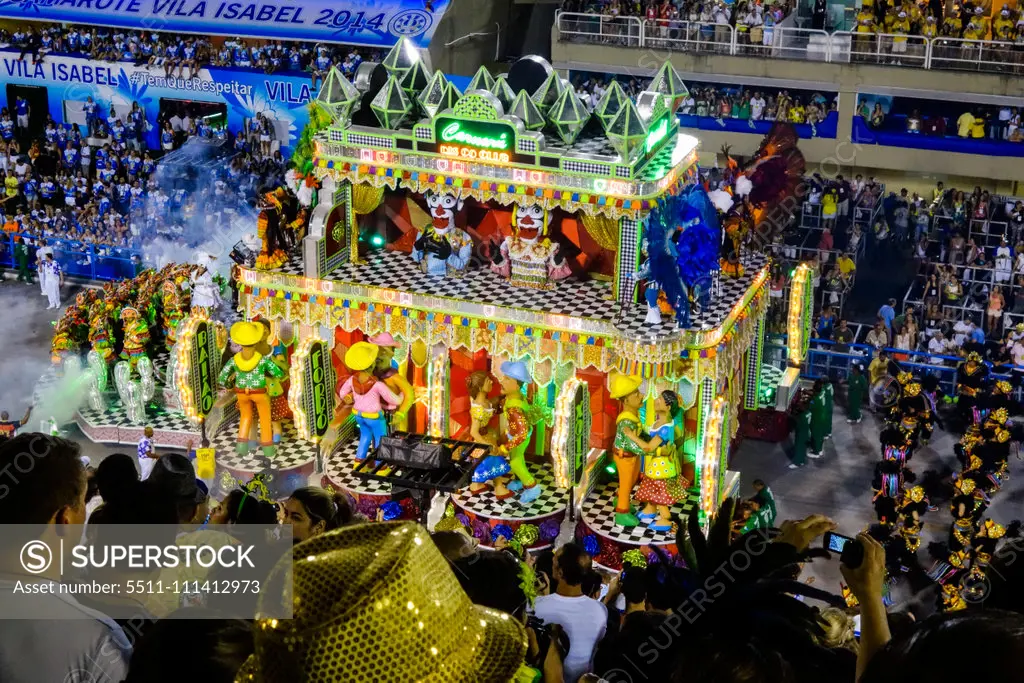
(888, 313)
(584, 619)
(69, 642)
(965, 124)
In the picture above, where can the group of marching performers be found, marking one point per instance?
(899, 504)
(985, 407)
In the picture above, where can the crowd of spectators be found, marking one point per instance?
(667, 23)
(980, 122)
(101, 188)
(971, 21)
(722, 101)
(544, 616)
(182, 56)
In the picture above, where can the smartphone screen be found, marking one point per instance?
(856, 625)
(836, 542)
(604, 591)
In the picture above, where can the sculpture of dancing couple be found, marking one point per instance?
(652, 458)
(519, 417)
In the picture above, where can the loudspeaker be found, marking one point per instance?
(415, 452)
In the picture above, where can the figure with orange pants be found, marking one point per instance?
(630, 445)
(248, 370)
(386, 370)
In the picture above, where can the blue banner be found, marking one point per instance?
(282, 98)
(374, 23)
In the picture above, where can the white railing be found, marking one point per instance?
(973, 55)
(880, 48)
(690, 36)
(603, 29)
(788, 42)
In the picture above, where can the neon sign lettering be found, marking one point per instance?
(453, 132)
(656, 135)
(473, 154)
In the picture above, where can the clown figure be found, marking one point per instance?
(136, 335)
(528, 258)
(443, 249)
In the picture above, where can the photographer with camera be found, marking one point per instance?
(862, 564)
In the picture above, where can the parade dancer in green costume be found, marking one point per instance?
(856, 391)
(829, 391)
(801, 435)
(819, 420)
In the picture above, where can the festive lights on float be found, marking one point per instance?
(710, 458)
(437, 383)
(564, 419)
(799, 323)
(182, 370)
(296, 376)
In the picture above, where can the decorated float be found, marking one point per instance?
(497, 266)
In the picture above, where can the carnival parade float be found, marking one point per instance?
(507, 293)
(504, 297)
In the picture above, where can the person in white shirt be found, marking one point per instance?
(584, 619)
(1017, 352)
(47, 635)
(175, 122)
(1004, 262)
(938, 346)
(757, 105)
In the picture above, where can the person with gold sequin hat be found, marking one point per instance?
(377, 603)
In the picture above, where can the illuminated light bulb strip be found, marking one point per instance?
(709, 458)
(297, 377)
(560, 436)
(436, 383)
(182, 377)
(799, 313)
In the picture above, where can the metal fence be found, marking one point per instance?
(77, 259)
(828, 359)
(790, 42)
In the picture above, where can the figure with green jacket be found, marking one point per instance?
(856, 392)
(801, 435)
(829, 392)
(819, 420)
(21, 260)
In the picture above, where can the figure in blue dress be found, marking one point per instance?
(662, 485)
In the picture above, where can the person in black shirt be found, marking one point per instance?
(8, 427)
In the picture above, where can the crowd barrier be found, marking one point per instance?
(790, 42)
(824, 129)
(825, 360)
(864, 134)
(77, 259)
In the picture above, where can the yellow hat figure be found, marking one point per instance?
(623, 385)
(361, 356)
(247, 371)
(629, 445)
(246, 334)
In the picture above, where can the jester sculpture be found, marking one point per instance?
(442, 249)
(527, 257)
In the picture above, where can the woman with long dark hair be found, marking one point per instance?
(313, 511)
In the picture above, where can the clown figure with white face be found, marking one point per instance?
(443, 249)
(527, 257)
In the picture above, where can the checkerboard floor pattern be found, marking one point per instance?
(339, 470)
(116, 416)
(771, 378)
(599, 516)
(292, 452)
(293, 266)
(551, 500)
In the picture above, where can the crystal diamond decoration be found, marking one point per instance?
(482, 80)
(415, 79)
(526, 111)
(627, 132)
(338, 97)
(610, 104)
(668, 83)
(390, 105)
(432, 96)
(503, 91)
(401, 57)
(548, 93)
(568, 116)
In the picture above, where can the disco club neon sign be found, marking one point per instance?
(474, 140)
